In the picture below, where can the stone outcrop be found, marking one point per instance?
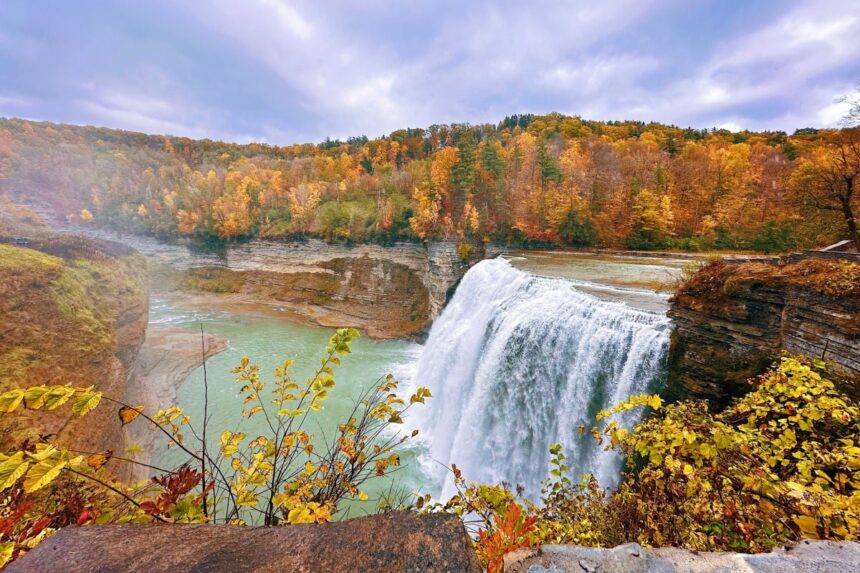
(732, 320)
(804, 557)
(392, 542)
(74, 312)
(385, 291)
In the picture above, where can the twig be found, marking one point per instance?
(115, 490)
(205, 421)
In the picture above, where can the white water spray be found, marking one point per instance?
(517, 362)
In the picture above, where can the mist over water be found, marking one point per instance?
(517, 362)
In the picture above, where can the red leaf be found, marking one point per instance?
(37, 526)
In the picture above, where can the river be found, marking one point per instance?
(527, 350)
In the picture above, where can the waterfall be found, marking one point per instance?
(517, 362)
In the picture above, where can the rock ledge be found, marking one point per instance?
(392, 542)
(803, 557)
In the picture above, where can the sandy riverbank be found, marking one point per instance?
(166, 359)
(377, 328)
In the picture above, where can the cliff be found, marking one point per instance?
(732, 320)
(74, 312)
(386, 292)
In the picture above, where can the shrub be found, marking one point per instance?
(781, 463)
(213, 279)
(577, 232)
(282, 477)
(774, 238)
(464, 251)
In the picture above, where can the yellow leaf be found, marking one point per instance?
(309, 468)
(43, 451)
(57, 396)
(362, 496)
(43, 473)
(6, 550)
(96, 461)
(86, 402)
(128, 414)
(808, 526)
(12, 469)
(9, 401)
(300, 514)
(35, 396)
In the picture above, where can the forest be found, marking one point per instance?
(529, 180)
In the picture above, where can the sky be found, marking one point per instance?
(294, 71)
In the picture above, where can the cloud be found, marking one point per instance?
(301, 70)
(139, 112)
(787, 70)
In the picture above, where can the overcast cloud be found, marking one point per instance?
(286, 71)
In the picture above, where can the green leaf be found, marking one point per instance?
(57, 396)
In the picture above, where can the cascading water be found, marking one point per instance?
(517, 362)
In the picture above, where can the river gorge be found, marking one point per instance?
(520, 349)
(529, 346)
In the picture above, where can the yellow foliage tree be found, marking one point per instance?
(304, 200)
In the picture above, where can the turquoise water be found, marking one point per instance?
(609, 346)
(268, 341)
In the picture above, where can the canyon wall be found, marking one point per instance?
(385, 291)
(74, 312)
(731, 320)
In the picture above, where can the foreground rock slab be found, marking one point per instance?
(390, 542)
(803, 557)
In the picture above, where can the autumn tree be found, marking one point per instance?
(304, 199)
(550, 178)
(653, 218)
(6, 144)
(425, 220)
(442, 184)
(233, 209)
(828, 178)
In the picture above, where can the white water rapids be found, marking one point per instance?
(517, 362)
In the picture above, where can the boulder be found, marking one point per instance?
(398, 541)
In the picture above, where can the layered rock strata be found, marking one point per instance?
(732, 320)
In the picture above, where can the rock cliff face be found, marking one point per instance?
(387, 292)
(732, 320)
(74, 312)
